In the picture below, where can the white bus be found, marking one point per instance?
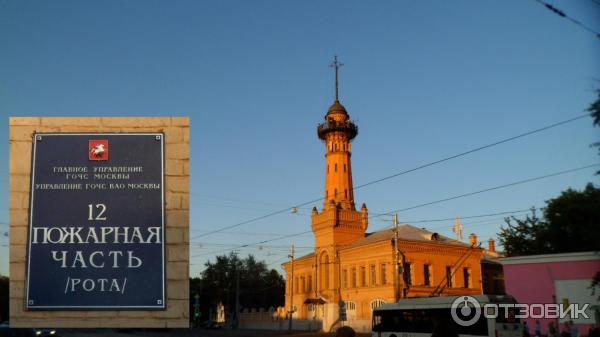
(416, 317)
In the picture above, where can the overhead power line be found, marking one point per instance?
(253, 244)
(492, 189)
(478, 223)
(506, 140)
(466, 217)
(243, 233)
(564, 15)
(267, 247)
(250, 220)
(242, 201)
(418, 206)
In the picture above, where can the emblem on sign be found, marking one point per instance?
(98, 150)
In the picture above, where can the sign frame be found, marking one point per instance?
(37, 136)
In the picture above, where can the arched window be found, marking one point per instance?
(377, 303)
(346, 193)
(350, 305)
(335, 167)
(324, 271)
(335, 192)
(344, 167)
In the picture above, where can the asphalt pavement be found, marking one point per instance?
(186, 333)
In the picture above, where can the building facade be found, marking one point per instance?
(558, 279)
(361, 270)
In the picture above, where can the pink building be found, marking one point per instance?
(555, 278)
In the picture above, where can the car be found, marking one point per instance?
(45, 332)
(6, 331)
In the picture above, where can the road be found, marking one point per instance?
(187, 333)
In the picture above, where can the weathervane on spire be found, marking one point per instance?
(335, 64)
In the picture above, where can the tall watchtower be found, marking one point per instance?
(339, 223)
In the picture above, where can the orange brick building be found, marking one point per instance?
(361, 268)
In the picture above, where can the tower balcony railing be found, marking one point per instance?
(347, 127)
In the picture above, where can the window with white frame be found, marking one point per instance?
(377, 303)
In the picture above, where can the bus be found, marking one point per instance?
(416, 317)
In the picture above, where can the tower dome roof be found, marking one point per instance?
(337, 107)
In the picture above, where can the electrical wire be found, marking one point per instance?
(235, 245)
(254, 243)
(404, 221)
(506, 140)
(464, 217)
(492, 188)
(418, 206)
(564, 15)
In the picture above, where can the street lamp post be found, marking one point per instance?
(396, 260)
(291, 256)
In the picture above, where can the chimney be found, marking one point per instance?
(491, 245)
(473, 239)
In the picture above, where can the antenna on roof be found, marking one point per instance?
(458, 229)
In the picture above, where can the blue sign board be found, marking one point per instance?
(96, 222)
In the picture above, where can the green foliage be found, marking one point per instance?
(520, 237)
(259, 286)
(573, 220)
(594, 109)
(570, 224)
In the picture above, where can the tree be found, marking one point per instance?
(521, 238)
(572, 220)
(259, 286)
(594, 110)
(570, 224)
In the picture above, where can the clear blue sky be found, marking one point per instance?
(424, 79)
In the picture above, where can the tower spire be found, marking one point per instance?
(339, 223)
(336, 65)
